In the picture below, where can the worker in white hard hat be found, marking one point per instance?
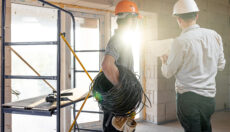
(195, 58)
(118, 52)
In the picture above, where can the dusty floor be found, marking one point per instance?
(220, 123)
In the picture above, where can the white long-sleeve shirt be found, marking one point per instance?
(195, 57)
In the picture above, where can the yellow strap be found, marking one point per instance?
(67, 43)
(17, 54)
(75, 119)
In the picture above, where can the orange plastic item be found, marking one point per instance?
(126, 6)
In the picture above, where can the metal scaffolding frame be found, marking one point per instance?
(74, 84)
(57, 77)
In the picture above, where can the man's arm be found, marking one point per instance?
(171, 63)
(221, 61)
(110, 69)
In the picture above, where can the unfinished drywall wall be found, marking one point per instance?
(214, 14)
(149, 28)
(158, 89)
(7, 63)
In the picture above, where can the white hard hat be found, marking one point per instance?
(185, 6)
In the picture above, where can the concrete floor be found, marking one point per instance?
(220, 123)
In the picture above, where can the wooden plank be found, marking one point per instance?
(23, 103)
(39, 103)
(36, 103)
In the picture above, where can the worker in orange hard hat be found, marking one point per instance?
(126, 6)
(119, 53)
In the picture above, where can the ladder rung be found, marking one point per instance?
(97, 112)
(30, 77)
(31, 43)
(90, 130)
(87, 71)
(90, 51)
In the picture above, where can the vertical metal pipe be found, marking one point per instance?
(73, 19)
(74, 69)
(3, 66)
(58, 70)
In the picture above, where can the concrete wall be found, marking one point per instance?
(159, 90)
(8, 63)
(214, 14)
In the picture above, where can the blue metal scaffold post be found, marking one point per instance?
(3, 66)
(58, 71)
(57, 77)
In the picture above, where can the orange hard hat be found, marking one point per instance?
(126, 6)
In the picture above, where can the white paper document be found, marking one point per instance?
(160, 47)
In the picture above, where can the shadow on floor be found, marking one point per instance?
(220, 123)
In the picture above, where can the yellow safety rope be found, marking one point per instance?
(79, 61)
(75, 119)
(17, 54)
